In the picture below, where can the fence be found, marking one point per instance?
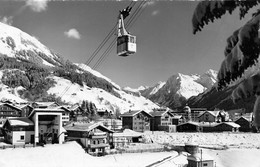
(136, 151)
(17, 146)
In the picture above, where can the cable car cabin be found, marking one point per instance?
(126, 45)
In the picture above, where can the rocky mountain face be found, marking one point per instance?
(175, 92)
(29, 71)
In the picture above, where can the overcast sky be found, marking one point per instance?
(165, 43)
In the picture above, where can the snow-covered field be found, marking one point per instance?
(71, 154)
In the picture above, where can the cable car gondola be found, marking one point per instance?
(126, 43)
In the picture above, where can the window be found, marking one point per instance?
(205, 164)
(93, 150)
(94, 142)
(22, 137)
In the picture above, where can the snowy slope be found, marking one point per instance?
(18, 44)
(76, 94)
(96, 73)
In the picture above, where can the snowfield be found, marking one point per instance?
(74, 93)
(72, 155)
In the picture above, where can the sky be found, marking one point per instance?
(165, 43)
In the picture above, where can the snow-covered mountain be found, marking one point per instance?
(18, 44)
(179, 87)
(31, 71)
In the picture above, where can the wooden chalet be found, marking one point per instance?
(227, 126)
(160, 118)
(18, 131)
(209, 116)
(96, 138)
(188, 127)
(245, 122)
(77, 113)
(9, 110)
(137, 120)
(126, 137)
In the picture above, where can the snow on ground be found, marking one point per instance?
(96, 73)
(74, 93)
(72, 155)
(235, 157)
(242, 140)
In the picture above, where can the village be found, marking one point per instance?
(41, 123)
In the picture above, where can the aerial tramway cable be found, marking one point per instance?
(132, 19)
(109, 35)
(129, 23)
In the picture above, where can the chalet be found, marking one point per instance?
(18, 131)
(102, 111)
(45, 104)
(25, 108)
(48, 125)
(65, 114)
(245, 122)
(236, 113)
(126, 137)
(77, 113)
(227, 126)
(188, 127)
(96, 138)
(137, 120)
(209, 116)
(113, 124)
(160, 118)
(9, 110)
(177, 119)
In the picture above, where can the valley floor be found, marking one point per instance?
(242, 152)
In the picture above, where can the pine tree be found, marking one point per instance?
(242, 49)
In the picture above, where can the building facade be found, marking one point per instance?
(137, 120)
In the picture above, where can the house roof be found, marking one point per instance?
(177, 117)
(19, 121)
(249, 119)
(232, 124)
(133, 113)
(57, 110)
(74, 107)
(192, 123)
(45, 103)
(128, 133)
(160, 113)
(213, 113)
(11, 105)
(86, 127)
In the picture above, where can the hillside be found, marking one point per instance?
(29, 71)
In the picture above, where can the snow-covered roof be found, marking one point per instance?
(132, 113)
(57, 110)
(11, 105)
(192, 123)
(128, 133)
(233, 124)
(213, 113)
(19, 121)
(86, 127)
(160, 113)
